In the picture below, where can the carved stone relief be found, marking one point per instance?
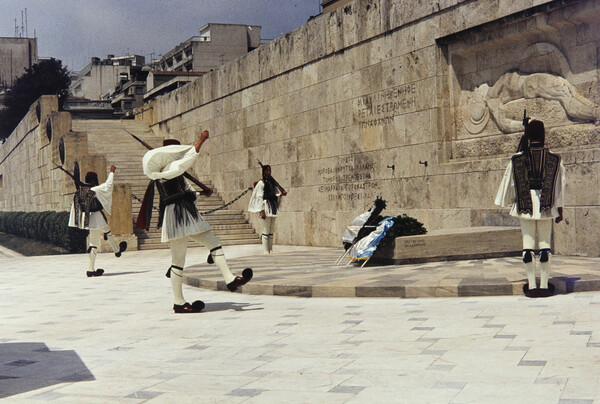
(491, 101)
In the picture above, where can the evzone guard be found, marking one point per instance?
(86, 213)
(533, 186)
(178, 216)
(265, 200)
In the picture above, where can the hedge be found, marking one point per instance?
(48, 226)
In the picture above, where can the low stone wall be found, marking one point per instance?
(403, 100)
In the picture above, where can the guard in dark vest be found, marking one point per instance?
(533, 187)
(89, 201)
(179, 218)
(265, 200)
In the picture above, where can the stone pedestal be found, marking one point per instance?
(454, 244)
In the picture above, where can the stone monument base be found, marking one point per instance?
(453, 244)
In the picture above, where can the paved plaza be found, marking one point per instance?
(67, 338)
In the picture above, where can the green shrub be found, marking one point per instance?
(48, 226)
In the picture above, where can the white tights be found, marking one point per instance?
(268, 225)
(95, 239)
(540, 231)
(178, 252)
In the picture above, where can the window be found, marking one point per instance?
(139, 90)
(0, 180)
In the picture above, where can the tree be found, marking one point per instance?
(43, 78)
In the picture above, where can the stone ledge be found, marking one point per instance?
(312, 272)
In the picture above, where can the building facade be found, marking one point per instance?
(16, 55)
(216, 45)
(100, 77)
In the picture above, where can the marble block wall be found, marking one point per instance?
(30, 179)
(402, 100)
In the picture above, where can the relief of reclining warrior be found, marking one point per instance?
(514, 86)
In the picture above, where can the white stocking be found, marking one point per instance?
(544, 229)
(178, 251)
(94, 242)
(210, 241)
(528, 230)
(267, 234)
(544, 272)
(111, 240)
(530, 270)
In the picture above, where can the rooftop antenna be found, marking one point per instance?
(26, 30)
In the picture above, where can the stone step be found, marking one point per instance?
(159, 245)
(109, 138)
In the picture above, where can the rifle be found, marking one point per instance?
(76, 180)
(276, 183)
(205, 190)
(524, 142)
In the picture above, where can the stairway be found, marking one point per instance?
(110, 139)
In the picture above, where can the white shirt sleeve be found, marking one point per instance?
(104, 192)
(168, 162)
(257, 202)
(506, 195)
(559, 198)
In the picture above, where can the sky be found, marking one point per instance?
(76, 30)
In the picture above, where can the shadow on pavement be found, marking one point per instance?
(229, 306)
(27, 366)
(123, 273)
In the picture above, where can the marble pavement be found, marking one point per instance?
(70, 339)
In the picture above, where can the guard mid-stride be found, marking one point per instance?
(86, 213)
(179, 218)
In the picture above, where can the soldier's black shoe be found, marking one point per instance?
(97, 272)
(195, 307)
(209, 259)
(240, 280)
(122, 248)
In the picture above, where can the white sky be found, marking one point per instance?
(75, 30)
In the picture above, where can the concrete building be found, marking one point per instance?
(16, 55)
(162, 82)
(100, 77)
(129, 94)
(216, 45)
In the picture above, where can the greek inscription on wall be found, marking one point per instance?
(380, 108)
(414, 243)
(349, 180)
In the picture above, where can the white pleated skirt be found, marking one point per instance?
(171, 230)
(97, 221)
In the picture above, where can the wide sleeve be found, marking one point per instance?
(169, 161)
(506, 192)
(559, 191)
(104, 192)
(257, 202)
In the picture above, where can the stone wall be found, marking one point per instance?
(403, 100)
(30, 179)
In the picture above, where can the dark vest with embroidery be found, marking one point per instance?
(174, 191)
(85, 201)
(535, 169)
